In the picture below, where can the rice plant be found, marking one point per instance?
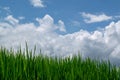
(22, 65)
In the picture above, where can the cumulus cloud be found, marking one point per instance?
(91, 18)
(103, 44)
(37, 3)
(61, 26)
(47, 24)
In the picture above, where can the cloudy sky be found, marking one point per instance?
(63, 27)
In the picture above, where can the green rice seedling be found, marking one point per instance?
(25, 65)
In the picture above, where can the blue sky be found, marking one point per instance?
(66, 10)
(63, 27)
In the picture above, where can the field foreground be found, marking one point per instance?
(18, 66)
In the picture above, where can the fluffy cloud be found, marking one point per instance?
(97, 45)
(37, 3)
(47, 24)
(61, 26)
(91, 18)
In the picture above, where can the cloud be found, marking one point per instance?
(91, 18)
(5, 9)
(103, 44)
(12, 20)
(21, 18)
(47, 24)
(61, 26)
(37, 3)
(75, 23)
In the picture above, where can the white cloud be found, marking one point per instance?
(91, 18)
(21, 18)
(47, 24)
(12, 20)
(61, 26)
(98, 44)
(37, 3)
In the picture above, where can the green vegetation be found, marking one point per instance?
(18, 66)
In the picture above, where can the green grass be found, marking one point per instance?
(25, 66)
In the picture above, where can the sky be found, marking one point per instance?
(63, 28)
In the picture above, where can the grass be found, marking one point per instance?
(25, 66)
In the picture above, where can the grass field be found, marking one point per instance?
(18, 66)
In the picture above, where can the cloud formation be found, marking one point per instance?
(37, 3)
(11, 20)
(91, 18)
(103, 44)
(47, 24)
